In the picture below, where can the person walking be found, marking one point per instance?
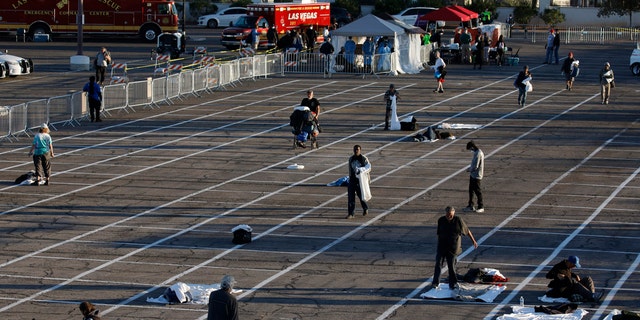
(222, 304)
(42, 152)
(94, 93)
(566, 284)
(439, 69)
(388, 97)
(549, 46)
(451, 228)
(568, 70)
(103, 59)
(521, 83)
(359, 168)
(606, 82)
(476, 173)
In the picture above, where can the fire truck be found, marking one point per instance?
(147, 18)
(284, 16)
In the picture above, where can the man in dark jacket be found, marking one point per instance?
(567, 284)
(222, 304)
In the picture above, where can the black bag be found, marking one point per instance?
(474, 275)
(241, 234)
(409, 125)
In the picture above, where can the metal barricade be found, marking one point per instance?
(5, 123)
(139, 93)
(173, 87)
(213, 77)
(36, 113)
(158, 91)
(226, 74)
(186, 83)
(18, 120)
(59, 109)
(199, 81)
(78, 107)
(245, 68)
(114, 97)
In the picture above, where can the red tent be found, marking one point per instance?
(443, 14)
(466, 11)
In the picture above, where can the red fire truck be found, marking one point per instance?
(284, 16)
(147, 18)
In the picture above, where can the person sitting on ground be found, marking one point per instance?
(566, 284)
(89, 311)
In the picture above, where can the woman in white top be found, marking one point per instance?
(439, 72)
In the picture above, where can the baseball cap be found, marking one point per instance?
(575, 260)
(44, 126)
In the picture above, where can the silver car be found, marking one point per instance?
(11, 66)
(224, 18)
(634, 61)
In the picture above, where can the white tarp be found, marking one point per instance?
(406, 57)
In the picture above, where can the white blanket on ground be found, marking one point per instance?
(553, 300)
(528, 313)
(199, 292)
(467, 292)
(459, 126)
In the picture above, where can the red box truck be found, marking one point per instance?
(285, 16)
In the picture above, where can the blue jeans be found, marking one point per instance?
(549, 55)
(522, 95)
(555, 52)
(451, 264)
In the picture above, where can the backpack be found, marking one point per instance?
(241, 234)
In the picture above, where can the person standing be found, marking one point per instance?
(556, 46)
(42, 152)
(368, 48)
(567, 70)
(439, 69)
(94, 93)
(521, 83)
(510, 22)
(549, 46)
(606, 82)
(311, 39)
(272, 37)
(388, 98)
(465, 45)
(479, 52)
(451, 228)
(500, 49)
(222, 304)
(476, 172)
(566, 284)
(486, 44)
(426, 38)
(103, 59)
(359, 165)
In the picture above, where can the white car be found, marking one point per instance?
(410, 15)
(224, 18)
(11, 66)
(634, 62)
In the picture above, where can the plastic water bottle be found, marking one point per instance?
(521, 301)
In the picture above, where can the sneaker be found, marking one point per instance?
(597, 296)
(469, 209)
(349, 216)
(441, 91)
(365, 212)
(480, 210)
(35, 183)
(455, 287)
(46, 182)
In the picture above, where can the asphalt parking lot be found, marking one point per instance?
(147, 199)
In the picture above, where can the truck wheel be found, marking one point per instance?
(212, 24)
(38, 28)
(635, 69)
(149, 33)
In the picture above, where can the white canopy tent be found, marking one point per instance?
(406, 57)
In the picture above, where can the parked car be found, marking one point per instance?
(410, 15)
(14, 66)
(634, 61)
(224, 18)
(340, 16)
